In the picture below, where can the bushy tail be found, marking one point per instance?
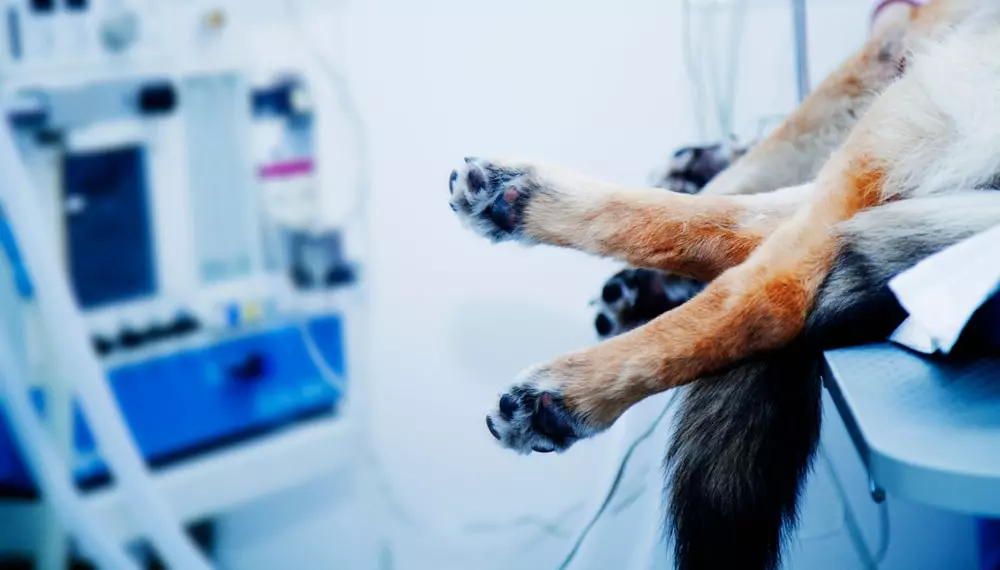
(745, 438)
(738, 459)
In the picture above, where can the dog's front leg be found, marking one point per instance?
(534, 203)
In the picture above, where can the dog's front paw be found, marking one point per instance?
(491, 198)
(532, 418)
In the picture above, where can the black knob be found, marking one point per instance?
(340, 275)
(102, 345)
(157, 99)
(43, 6)
(183, 323)
(251, 367)
(131, 338)
(157, 331)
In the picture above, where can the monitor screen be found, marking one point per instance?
(109, 240)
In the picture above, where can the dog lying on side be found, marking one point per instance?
(887, 162)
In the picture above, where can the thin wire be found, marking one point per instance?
(693, 70)
(352, 112)
(337, 380)
(884, 534)
(735, 41)
(609, 496)
(713, 82)
(870, 561)
(312, 349)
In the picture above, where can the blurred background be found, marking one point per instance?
(252, 193)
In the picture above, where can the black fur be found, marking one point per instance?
(738, 457)
(745, 438)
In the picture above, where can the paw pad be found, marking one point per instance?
(529, 419)
(489, 198)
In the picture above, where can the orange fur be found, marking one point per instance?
(695, 236)
(759, 305)
(795, 151)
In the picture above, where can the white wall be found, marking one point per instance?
(600, 87)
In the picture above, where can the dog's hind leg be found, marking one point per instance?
(795, 151)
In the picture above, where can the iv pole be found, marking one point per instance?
(801, 48)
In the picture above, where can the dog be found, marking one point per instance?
(889, 160)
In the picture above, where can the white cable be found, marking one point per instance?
(464, 532)
(467, 530)
(316, 356)
(616, 483)
(77, 364)
(47, 468)
(870, 561)
(731, 71)
(692, 67)
(460, 533)
(713, 81)
(884, 529)
(551, 528)
(351, 111)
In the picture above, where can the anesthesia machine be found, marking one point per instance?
(175, 299)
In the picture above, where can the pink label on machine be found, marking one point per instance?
(287, 169)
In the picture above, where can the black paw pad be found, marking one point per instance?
(551, 418)
(604, 325)
(492, 428)
(476, 179)
(529, 419)
(491, 199)
(612, 292)
(502, 213)
(633, 297)
(508, 405)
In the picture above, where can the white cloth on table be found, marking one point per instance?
(942, 292)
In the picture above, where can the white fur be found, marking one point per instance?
(941, 130)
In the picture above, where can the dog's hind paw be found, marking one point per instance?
(633, 297)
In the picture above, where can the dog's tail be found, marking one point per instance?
(746, 437)
(739, 455)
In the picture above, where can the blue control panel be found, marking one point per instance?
(194, 400)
